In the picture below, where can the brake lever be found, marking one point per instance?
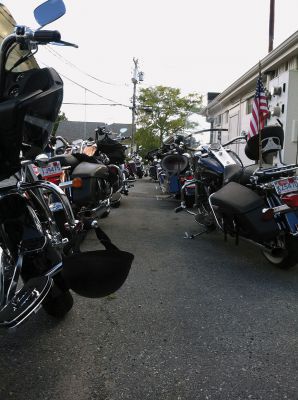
(63, 43)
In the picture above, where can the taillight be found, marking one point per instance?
(53, 179)
(186, 178)
(113, 170)
(290, 199)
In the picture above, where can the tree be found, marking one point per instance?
(163, 111)
(61, 117)
(147, 140)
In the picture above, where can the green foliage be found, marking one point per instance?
(61, 117)
(163, 111)
(146, 139)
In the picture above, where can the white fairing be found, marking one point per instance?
(223, 157)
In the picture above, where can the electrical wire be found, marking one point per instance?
(91, 104)
(66, 61)
(88, 90)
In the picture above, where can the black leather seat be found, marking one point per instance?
(234, 198)
(88, 170)
(66, 160)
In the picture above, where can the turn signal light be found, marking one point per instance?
(291, 199)
(77, 183)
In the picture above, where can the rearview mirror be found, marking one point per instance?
(49, 11)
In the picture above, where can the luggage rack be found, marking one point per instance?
(276, 170)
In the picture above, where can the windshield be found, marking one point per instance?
(7, 24)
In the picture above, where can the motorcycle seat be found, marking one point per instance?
(66, 160)
(90, 170)
(249, 170)
(234, 198)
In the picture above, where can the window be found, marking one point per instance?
(249, 103)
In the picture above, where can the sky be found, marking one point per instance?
(195, 45)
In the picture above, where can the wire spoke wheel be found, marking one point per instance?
(285, 254)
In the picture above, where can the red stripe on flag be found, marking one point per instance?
(260, 110)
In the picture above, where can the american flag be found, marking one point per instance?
(260, 110)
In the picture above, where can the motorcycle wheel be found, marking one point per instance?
(116, 204)
(106, 213)
(59, 300)
(140, 175)
(284, 257)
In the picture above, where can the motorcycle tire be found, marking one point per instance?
(58, 302)
(140, 175)
(285, 258)
(116, 204)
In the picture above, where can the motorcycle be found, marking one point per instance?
(36, 269)
(171, 166)
(99, 197)
(153, 165)
(139, 166)
(256, 203)
(115, 152)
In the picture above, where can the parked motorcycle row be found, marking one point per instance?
(65, 189)
(258, 202)
(62, 191)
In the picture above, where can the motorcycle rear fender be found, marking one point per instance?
(291, 219)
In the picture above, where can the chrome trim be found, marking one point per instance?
(55, 269)
(32, 311)
(14, 281)
(64, 185)
(213, 212)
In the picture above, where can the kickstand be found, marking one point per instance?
(194, 235)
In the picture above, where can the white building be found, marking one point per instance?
(231, 109)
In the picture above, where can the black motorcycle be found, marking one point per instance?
(39, 264)
(257, 203)
(115, 152)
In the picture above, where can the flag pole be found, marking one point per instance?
(259, 118)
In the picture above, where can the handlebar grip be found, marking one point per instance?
(45, 36)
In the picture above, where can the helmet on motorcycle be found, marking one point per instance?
(272, 138)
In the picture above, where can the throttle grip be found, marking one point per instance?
(46, 36)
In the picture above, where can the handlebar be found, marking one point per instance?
(46, 36)
(234, 140)
(23, 35)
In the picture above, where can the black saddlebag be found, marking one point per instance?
(242, 205)
(95, 183)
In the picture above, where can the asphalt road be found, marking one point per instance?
(196, 319)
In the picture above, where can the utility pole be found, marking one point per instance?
(271, 25)
(136, 78)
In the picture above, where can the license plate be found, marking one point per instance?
(53, 168)
(287, 185)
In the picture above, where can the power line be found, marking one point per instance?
(91, 104)
(66, 61)
(90, 91)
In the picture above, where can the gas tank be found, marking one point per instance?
(210, 164)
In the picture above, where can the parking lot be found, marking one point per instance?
(196, 319)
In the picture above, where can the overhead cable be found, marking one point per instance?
(90, 91)
(63, 59)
